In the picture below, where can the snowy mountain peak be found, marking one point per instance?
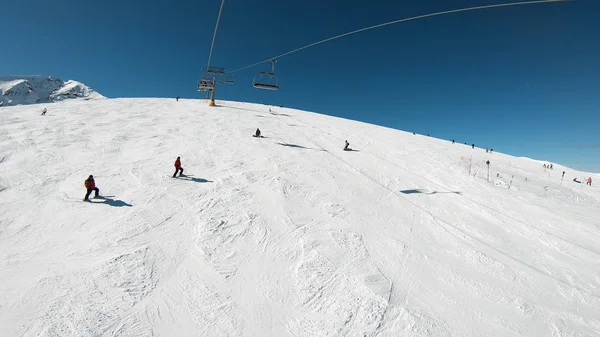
(19, 90)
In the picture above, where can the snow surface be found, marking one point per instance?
(285, 235)
(19, 90)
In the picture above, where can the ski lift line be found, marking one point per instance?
(400, 21)
(215, 33)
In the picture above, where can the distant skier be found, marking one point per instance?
(473, 146)
(178, 167)
(452, 141)
(90, 185)
(589, 181)
(346, 147)
(486, 150)
(177, 98)
(44, 112)
(551, 167)
(544, 165)
(491, 150)
(577, 181)
(257, 134)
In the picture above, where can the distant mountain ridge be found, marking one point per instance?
(21, 90)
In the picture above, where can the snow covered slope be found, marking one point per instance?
(18, 90)
(285, 235)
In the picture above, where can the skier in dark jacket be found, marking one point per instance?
(90, 185)
(257, 134)
(346, 147)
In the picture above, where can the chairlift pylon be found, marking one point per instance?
(267, 80)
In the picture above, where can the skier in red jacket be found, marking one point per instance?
(178, 167)
(90, 184)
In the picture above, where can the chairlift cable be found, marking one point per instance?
(399, 21)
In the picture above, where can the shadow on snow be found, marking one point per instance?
(419, 191)
(196, 180)
(112, 202)
(298, 146)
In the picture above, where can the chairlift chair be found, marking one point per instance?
(267, 80)
(205, 84)
(228, 79)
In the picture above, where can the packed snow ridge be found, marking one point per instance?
(286, 235)
(19, 90)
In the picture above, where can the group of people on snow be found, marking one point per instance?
(472, 146)
(90, 183)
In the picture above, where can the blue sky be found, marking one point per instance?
(522, 80)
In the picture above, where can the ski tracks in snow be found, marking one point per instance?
(279, 236)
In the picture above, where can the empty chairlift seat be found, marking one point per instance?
(267, 80)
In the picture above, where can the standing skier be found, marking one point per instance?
(257, 134)
(589, 181)
(90, 184)
(178, 168)
(346, 147)
(44, 112)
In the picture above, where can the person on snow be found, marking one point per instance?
(346, 147)
(178, 167)
(473, 146)
(257, 134)
(452, 141)
(577, 181)
(177, 98)
(589, 181)
(551, 167)
(90, 184)
(44, 112)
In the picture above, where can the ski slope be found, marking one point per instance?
(285, 235)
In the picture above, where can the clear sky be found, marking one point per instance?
(522, 80)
